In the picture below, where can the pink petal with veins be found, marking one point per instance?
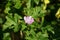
(28, 19)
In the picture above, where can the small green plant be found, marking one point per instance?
(28, 18)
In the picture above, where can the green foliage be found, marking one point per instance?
(15, 11)
(6, 36)
(12, 21)
(36, 1)
(7, 7)
(17, 4)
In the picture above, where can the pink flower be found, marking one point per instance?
(28, 19)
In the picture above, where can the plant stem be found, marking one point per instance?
(42, 22)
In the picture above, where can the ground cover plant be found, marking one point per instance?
(29, 19)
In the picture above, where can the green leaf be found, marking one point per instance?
(36, 1)
(42, 13)
(32, 32)
(7, 8)
(28, 3)
(45, 35)
(17, 17)
(50, 28)
(32, 26)
(8, 23)
(12, 21)
(23, 27)
(6, 36)
(17, 4)
(38, 34)
(16, 28)
(42, 36)
(36, 11)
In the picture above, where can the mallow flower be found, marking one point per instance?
(28, 19)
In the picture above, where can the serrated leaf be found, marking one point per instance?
(17, 4)
(17, 17)
(11, 21)
(8, 23)
(36, 11)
